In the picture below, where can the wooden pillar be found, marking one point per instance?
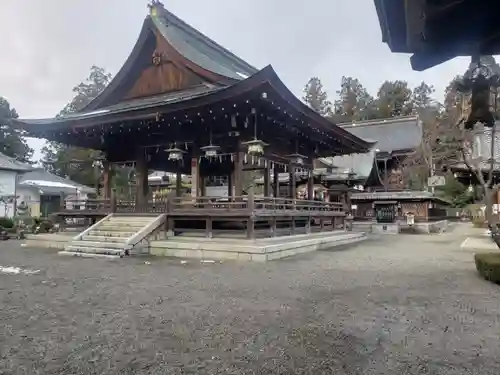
(106, 177)
(276, 180)
(310, 186)
(195, 177)
(178, 182)
(292, 183)
(238, 173)
(230, 181)
(203, 189)
(250, 221)
(267, 183)
(141, 171)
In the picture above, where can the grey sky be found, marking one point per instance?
(49, 46)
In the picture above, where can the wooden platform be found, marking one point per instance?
(244, 212)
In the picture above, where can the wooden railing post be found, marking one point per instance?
(250, 201)
(113, 201)
(62, 202)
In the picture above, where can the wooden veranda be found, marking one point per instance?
(211, 213)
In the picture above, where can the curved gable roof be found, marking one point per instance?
(188, 42)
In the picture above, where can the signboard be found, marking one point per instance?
(434, 181)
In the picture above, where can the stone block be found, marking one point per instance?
(385, 228)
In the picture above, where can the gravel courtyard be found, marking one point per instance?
(392, 305)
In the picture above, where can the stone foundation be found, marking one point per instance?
(260, 250)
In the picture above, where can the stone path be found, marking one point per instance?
(393, 305)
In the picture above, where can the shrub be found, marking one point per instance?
(44, 226)
(488, 266)
(5, 222)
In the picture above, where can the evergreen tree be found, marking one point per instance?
(394, 99)
(75, 163)
(316, 98)
(12, 142)
(354, 103)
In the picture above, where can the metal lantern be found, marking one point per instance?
(255, 147)
(479, 89)
(210, 150)
(297, 159)
(175, 154)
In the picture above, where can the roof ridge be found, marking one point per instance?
(375, 122)
(202, 37)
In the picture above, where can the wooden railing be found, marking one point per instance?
(93, 205)
(248, 204)
(235, 204)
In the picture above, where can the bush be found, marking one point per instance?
(42, 226)
(488, 266)
(5, 222)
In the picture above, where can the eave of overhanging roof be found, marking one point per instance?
(267, 77)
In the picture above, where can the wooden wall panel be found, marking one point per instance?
(163, 75)
(160, 79)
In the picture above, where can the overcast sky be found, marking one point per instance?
(48, 46)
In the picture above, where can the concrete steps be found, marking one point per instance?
(114, 236)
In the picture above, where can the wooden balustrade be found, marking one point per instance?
(244, 205)
(87, 205)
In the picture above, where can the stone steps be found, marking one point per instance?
(121, 226)
(110, 237)
(110, 233)
(112, 245)
(105, 239)
(88, 255)
(95, 250)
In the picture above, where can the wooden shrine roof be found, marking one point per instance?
(176, 75)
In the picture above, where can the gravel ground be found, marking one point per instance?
(392, 305)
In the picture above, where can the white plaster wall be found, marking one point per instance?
(7, 188)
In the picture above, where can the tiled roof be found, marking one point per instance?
(43, 175)
(359, 164)
(11, 164)
(198, 48)
(397, 195)
(134, 104)
(393, 134)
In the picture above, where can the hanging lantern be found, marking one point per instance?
(175, 154)
(479, 89)
(255, 147)
(297, 159)
(210, 150)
